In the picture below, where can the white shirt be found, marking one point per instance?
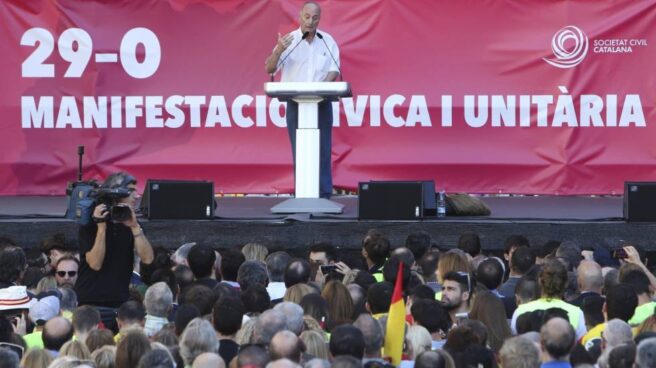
(309, 62)
(276, 290)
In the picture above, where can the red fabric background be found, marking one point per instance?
(427, 48)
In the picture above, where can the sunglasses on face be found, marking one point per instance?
(63, 273)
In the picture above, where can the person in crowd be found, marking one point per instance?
(202, 297)
(315, 344)
(512, 243)
(227, 316)
(276, 264)
(55, 247)
(639, 281)
(557, 339)
(179, 257)
(43, 310)
(322, 254)
(13, 264)
(646, 355)
(66, 270)
(199, 337)
(375, 250)
(9, 358)
(75, 349)
(428, 266)
(250, 273)
(85, 319)
(231, 260)
(268, 324)
(589, 281)
(286, 345)
(56, 332)
(489, 274)
(434, 359)
(570, 253)
(457, 293)
(454, 260)
(131, 348)
(417, 340)
(107, 248)
(373, 338)
(488, 308)
(293, 316)
(97, 339)
(553, 279)
(157, 358)
(297, 272)
(35, 358)
(256, 299)
(130, 314)
(523, 258)
(340, 304)
(419, 243)
(347, 340)
(201, 259)
(519, 352)
(255, 252)
(434, 317)
(158, 302)
(616, 333)
(470, 243)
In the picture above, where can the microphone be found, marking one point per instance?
(331, 56)
(281, 62)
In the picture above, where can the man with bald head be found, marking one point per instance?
(557, 340)
(590, 281)
(208, 360)
(56, 332)
(308, 54)
(286, 345)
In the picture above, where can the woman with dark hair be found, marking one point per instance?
(488, 308)
(316, 307)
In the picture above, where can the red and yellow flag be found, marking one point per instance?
(395, 332)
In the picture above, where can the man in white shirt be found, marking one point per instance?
(310, 59)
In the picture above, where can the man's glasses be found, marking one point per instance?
(466, 274)
(63, 273)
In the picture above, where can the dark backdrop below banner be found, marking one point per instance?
(482, 97)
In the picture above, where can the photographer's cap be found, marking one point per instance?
(15, 297)
(44, 309)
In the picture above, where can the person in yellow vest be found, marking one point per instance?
(553, 280)
(639, 281)
(46, 308)
(621, 302)
(375, 250)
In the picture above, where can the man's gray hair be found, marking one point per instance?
(373, 333)
(9, 358)
(276, 264)
(158, 299)
(250, 273)
(268, 324)
(317, 363)
(617, 332)
(293, 316)
(646, 356)
(198, 337)
(519, 352)
(68, 300)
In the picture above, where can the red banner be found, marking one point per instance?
(481, 96)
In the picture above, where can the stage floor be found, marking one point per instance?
(587, 220)
(256, 208)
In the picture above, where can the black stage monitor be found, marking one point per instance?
(640, 201)
(396, 200)
(178, 199)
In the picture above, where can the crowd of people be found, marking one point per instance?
(553, 305)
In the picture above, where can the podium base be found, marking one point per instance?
(307, 205)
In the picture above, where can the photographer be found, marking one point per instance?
(108, 243)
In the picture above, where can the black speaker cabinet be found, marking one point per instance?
(396, 200)
(178, 199)
(640, 201)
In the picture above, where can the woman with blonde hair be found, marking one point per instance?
(453, 260)
(489, 309)
(75, 349)
(105, 356)
(340, 303)
(36, 358)
(315, 344)
(296, 293)
(45, 284)
(255, 252)
(417, 340)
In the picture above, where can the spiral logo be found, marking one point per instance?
(568, 58)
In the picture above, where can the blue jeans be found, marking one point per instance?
(325, 143)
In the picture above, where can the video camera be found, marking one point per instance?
(110, 198)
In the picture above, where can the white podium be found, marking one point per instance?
(307, 95)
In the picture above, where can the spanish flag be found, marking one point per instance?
(395, 332)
